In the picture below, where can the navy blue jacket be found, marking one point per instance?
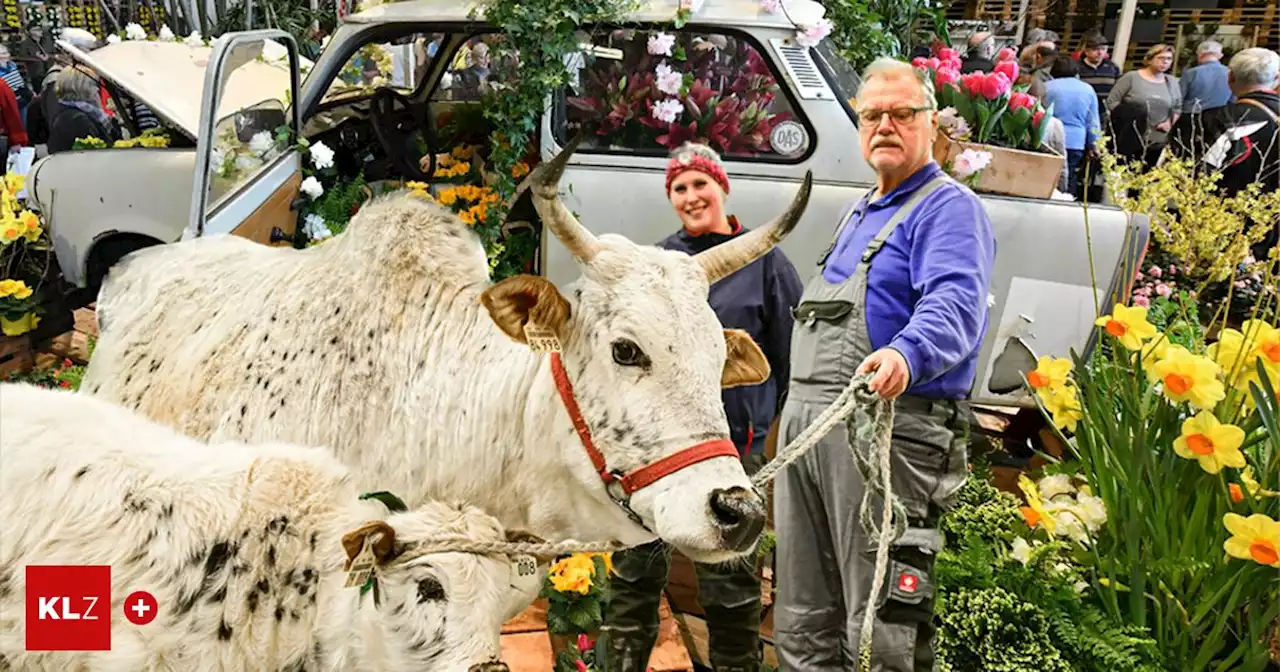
(757, 299)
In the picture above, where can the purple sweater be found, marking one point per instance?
(927, 288)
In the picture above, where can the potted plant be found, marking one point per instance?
(992, 131)
(576, 590)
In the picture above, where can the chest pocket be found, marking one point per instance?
(820, 347)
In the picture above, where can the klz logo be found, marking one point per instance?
(69, 608)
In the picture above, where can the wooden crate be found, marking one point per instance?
(16, 355)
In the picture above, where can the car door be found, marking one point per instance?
(248, 172)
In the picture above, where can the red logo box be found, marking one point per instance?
(69, 608)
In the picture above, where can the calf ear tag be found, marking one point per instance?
(540, 339)
(361, 570)
(524, 574)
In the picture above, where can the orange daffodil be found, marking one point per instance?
(1052, 383)
(1128, 325)
(1211, 443)
(1050, 372)
(1238, 352)
(1255, 538)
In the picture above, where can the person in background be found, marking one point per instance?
(80, 113)
(15, 133)
(901, 295)
(12, 75)
(1153, 88)
(1096, 68)
(1033, 64)
(1253, 120)
(982, 51)
(758, 299)
(33, 56)
(1205, 85)
(1075, 103)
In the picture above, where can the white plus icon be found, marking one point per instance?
(140, 608)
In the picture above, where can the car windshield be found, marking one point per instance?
(400, 64)
(844, 78)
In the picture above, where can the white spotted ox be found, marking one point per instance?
(243, 547)
(390, 343)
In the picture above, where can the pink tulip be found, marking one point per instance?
(583, 642)
(1019, 100)
(1006, 54)
(1009, 68)
(920, 62)
(946, 76)
(972, 82)
(582, 667)
(1035, 118)
(947, 55)
(994, 85)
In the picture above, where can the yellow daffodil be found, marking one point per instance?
(1254, 487)
(11, 230)
(1211, 443)
(1128, 325)
(31, 223)
(14, 182)
(1237, 352)
(1254, 538)
(1188, 377)
(1063, 404)
(573, 574)
(1050, 372)
(1155, 350)
(1034, 512)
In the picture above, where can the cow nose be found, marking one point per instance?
(491, 666)
(740, 514)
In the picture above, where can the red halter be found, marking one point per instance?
(647, 474)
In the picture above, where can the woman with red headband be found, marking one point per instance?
(758, 299)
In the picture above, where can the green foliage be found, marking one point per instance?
(67, 375)
(867, 29)
(544, 34)
(997, 614)
(339, 202)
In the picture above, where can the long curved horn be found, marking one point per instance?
(544, 182)
(727, 258)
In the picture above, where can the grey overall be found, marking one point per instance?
(825, 559)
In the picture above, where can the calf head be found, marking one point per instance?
(441, 610)
(646, 358)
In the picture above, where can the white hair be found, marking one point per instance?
(1208, 47)
(892, 67)
(1256, 67)
(73, 84)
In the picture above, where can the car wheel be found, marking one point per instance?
(107, 254)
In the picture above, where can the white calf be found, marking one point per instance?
(243, 546)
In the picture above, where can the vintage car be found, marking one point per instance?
(101, 204)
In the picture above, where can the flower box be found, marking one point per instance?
(1013, 172)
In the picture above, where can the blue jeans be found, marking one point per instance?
(1075, 157)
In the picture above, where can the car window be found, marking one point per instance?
(479, 66)
(400, 64)
(648, 92)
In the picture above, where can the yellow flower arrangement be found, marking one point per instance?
(18, 314)
(15, 288)
(1238, 352)
(1187, 377)
(1211, 443)
(1255, 538)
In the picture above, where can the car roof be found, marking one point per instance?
(742, 13)
(168, 77)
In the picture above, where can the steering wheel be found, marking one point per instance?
(395, 138)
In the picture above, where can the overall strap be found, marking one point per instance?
(845, 216)
(901, 214)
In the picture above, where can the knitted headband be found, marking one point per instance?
(695, 161)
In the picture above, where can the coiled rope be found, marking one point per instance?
(870, 424)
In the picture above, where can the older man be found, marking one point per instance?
(902, 293)
(1205, 85)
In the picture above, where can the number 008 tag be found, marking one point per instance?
(524, 574)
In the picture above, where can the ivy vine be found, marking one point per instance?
(544, 34)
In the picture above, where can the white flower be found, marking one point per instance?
(668, 80)
(668, 110)
(321, 156)
(1021, 550)
(315, 228)
(133, 31)
(312, 188)
(165, 33)
(1056, 484)
(772, 6)
(968, 162)
(113, 39)
(1081, 586)
(216, 158)
(660, 44)
(1093, 510)
(194, 39)
(246, 163)
(811, 35)
(261, 143)
(950, 119)
(1069, 521)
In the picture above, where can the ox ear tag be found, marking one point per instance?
(360, 573)
(540, 339)
(524, 573)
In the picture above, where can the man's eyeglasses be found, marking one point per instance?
(901, 115)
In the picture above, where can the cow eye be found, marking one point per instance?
(430, 590)
(627, 353)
